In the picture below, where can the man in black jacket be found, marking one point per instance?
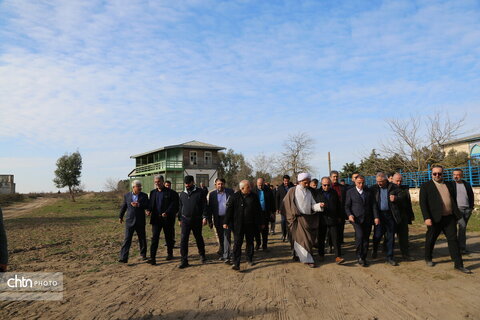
(279, 195)
(440, 212)
(244, 218)
(359, 209)
(384, 194)
(162, 212)
(217, 208)
(404, 204)
(267, 205)
(463, 192)
(331, 216)
(134, 204)
(192, 216)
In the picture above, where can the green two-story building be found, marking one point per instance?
(194, 158)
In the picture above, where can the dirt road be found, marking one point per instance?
(22, 208)
(275, 288)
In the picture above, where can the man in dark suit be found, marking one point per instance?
(267, 204)
(217, 208)
(3, 245)
(279, 195)
(244, 218)
(341, 191)
(404, 204)
(193, 216)
(134, 204)
(162, 212)
(463, 192)
(384, 194)
(359, 209)
(440, 212)
(330, 218)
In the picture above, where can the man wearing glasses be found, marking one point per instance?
(440, 212)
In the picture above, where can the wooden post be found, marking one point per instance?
(329, 164)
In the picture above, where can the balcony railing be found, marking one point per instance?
(159, 166)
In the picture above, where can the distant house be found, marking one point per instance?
(470, 145)
(7, 186)
(194, 158)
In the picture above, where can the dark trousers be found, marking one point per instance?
(261, 236)
(402, 233)
(333, 234)
(127, 242)
(362, 235)
(194, 226)
(341, 231)
(283, 224)
(166, 225)
(386, 227)
(248, 232)
(448, 225)
(220, 234)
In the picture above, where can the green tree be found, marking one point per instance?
(348, 169)
(68, 172)
(455, 159)
(234, 168)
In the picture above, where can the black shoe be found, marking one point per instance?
(429, 263)
(123, 261)
(464, 270)
(361, 262)
(391, 262)
(183, 265)
(365, 263)
(169, 257)
(204, 259)
(235, 267)
(153, 262)
(295, 258)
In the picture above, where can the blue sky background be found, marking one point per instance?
(116, 78)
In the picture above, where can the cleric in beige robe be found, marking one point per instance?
(303, 219)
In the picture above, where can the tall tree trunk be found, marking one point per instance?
(71, 193)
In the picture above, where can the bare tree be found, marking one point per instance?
(111, 184)
(263, 166)
(296, 155)
(417, 142)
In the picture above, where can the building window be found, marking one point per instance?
(203, 178)
(193, 158)
(208, 158)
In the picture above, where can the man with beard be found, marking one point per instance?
(279, 196)
(404, 204)
(302, 216)
(244, 217)
(193, 216)
(162, 212)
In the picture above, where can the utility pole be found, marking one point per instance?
(329, 163)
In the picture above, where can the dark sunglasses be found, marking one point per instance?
(437, 173)
(326, 185)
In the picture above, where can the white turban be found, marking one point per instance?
(302, 176)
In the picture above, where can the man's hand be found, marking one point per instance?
(377, 221)
(322, 204)
(164, 214)
(428, 222)
(278, 211)
(225, 226)
(393, 198)
(149, 213)
(3, 268)
(351, 218)
(120, 220)
(180, 223)
(134, 204)
(204, 222)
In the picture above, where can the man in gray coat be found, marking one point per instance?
(3, 245)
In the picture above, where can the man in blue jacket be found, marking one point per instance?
(134, 205)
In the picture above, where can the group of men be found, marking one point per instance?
(312, 215)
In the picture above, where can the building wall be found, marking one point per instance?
(7, 186)
(458, 147)
(200, 159)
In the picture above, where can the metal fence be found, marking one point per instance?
(416, 179)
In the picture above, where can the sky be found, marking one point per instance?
(116, 78)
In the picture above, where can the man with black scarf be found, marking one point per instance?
(192, 216)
